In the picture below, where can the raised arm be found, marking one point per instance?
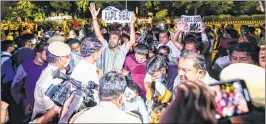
(179, 29)
(132, 33)
(94, 14)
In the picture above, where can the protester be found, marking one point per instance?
(7, 71)
(85, 71)
(75, 56)
(134, 66)
(191, 67)
(244, 53)
(136, 102)
(111, 93)
(113, 55)
(58, 58)
(156, 73)
(26, 76)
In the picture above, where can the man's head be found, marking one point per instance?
(114, 39)
(112, 87)
(28, 40)
(231, 33)
(194, 44)
(7, 46)
(74, 44)
(157, 66)
(141, 53)
(164, 50)
(91, 47)
(125, 38)
(164, 36)
(191, 66)
(40, 52)
(244, 53)
(73, 33)
(58, 54)
(244, 30)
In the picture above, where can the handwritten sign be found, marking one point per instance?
(129, 94)
(194, 23)
(111, 14)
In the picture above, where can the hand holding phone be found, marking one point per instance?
(231, 98)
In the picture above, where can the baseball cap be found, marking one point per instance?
(253, 75)
(59, 49)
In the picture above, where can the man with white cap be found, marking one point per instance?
(58, 56)
(254, 77)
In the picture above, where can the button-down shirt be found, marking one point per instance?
(137, 105)
(113, 60)
(106, 112)
(31, 72)
(7, 72)
(42, 102)
(174, 52)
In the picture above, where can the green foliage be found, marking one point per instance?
(161, 14)
(82, 6)
(61, 6)
(103, 4)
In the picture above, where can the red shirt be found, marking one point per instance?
(137, 70)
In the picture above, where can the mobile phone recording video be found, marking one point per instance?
(232, 98)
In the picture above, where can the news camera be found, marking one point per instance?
(60, 93)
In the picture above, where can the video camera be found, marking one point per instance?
(60, 93)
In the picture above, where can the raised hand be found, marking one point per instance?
(133, 18)
(181, 26)
(94, 12)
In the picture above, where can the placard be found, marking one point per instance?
(129, 94)
(194, 23)
(111, 14)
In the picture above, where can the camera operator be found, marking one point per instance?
(58, 56)
(111, 93)
(85, 70)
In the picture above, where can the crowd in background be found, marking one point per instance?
(166, 70)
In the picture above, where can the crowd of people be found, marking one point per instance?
(154, 76)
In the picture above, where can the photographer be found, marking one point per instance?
(58, 58)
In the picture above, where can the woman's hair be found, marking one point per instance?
(193, 103)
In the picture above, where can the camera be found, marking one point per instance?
(60, 93)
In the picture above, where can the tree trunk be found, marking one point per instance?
(195, 10)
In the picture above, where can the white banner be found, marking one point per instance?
(111, 14)
(194, 23)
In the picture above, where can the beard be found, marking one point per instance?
(112, 44)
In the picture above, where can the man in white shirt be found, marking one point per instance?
(164, 38)
(58, 56)
(111, 94)
(85, 70)
(191, 67)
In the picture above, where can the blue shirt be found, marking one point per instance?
(7, 72)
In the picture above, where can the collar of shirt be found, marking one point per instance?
(108, 104)
(6, 53)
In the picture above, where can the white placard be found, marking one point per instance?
(111, 14)
(194, 23)
(129, 94)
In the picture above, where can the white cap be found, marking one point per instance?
(59, 49)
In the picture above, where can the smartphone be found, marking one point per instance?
(232, 98)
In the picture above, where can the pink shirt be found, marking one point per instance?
(137, 70)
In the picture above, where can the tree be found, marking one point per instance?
(82, 6)
(61, 6)
(25, 8)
